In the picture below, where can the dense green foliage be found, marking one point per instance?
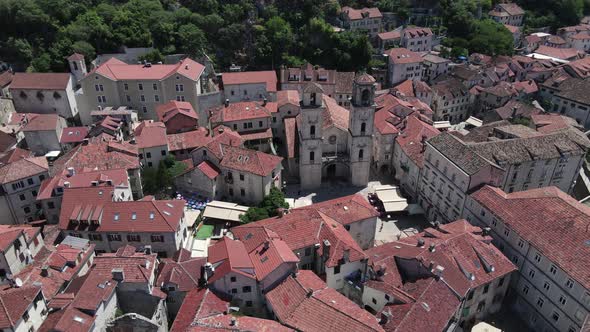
(267, 208)
(157, 181)
(554, 13)
(40, 34)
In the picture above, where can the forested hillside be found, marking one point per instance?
(39, 34)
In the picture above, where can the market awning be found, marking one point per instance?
(224, 211)
(391, 198)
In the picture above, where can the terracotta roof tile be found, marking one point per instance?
(247, 160)
(6, 78)
(22, 169)
(40, 81)
(73, 134)
(210, 170)
(403, 56)
(357, 14)
(150, 134)
(269, 77)
(14, 302)
(117, 70)
(413, 137)
(285, 97)
(243, 110)
(536, 216)
(173, 108)
(38, 122)
(324, 310)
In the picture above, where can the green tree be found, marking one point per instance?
(280, 36)
(490, 37)
(267, 208)
(40, 64)
(192, 39)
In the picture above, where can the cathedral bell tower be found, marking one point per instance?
(360, 129)
(310, 136)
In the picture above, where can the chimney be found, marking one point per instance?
(420, 243)
(147, 249)
(132, 141)
(66, 184)
(118, 274)
(85, 141)
(385, 317)
(432, 247)
(71, 171)
(486, 231)
(326, 249)
(203, 278)
(45, 271)
(264, 101)
(227, 103)
(94, 183)
(110, 182)
(232, 321)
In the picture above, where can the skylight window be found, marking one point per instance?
(169, 205)
(133, 216)
(117, 216)
(152, 215)
(167, 213)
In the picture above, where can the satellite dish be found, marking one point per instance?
(18, 282)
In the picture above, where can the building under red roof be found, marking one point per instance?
(14, 302)
(537, 216)
(415, 132)
(246, 160)
(41, 122)
(357, 14)
(22, 169)
(177, 116)
(118, 70)
(244, 110)
(403, 56)
(113, 177)
(249, 77)
(40, 81)
(93, 207)
(73, 135)
(150, 134)
(305, 303)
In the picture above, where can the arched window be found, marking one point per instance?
(361, 154)
(312, 130)
(363, 128)
(311, 156)
(365, 97)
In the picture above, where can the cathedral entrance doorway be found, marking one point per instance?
(335, 171)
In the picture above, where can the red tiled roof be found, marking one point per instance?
(243, 110)
(412, 138)
(291, 136)
(345, 210)
(223, 136)
(76, 56)
(38, 122)
(357, 14)
(383, 122)
(287, 97)
(537, 215)
(210, 170)
(182, 271)
(150, 134)
(233, 257)
(547, 123)
(324, 310)
(22, 169)
(237, 323)
(68, 319)
(189, 140)
(335, 115)
(111, 123)
(197, 304)
(40, 81)
(96, 203)
(395, 34)
(172, 108)
(403, 56)
(98, 154)
(417, 32)
(118, 177)
(118, 70)
(14, 302)
(73, 134)
(10, 233)
(406, 88)
(58, 277)
(269, 77)
(7, 141)
(6, 78)
(247, 160)
(269, 256)
(14, 155)
(257, 135)
(559, 53)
